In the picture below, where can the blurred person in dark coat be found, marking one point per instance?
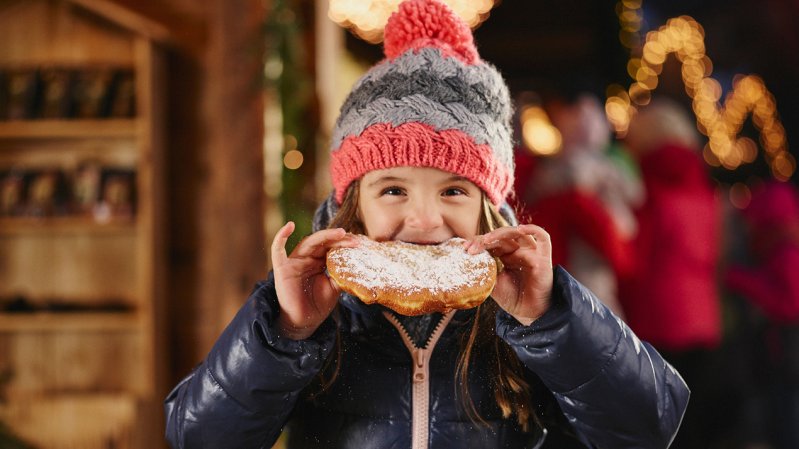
(769, 281)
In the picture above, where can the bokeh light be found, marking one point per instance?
(538, 133)
(293, 159)
(740, 195)
(684, 38)
(367, 18)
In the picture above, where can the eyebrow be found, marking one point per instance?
(457, 178)
(384, 179)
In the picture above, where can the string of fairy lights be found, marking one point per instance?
(681, 37)
(684, 38)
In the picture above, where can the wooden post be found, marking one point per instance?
(230, 209)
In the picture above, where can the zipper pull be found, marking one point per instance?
(419, 359)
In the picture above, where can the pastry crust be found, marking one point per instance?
(414, 279)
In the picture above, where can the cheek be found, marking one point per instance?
(379, 221)
(474, 222)
(465, 220)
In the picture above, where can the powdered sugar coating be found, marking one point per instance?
(410, 268)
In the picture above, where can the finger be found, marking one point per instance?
(522, 229)
(278, 249)
(521, 259)
(334, 286)
(468, 243)
(317, 244)
(528, 235)
(539, 234)
(501, 248)
(503, 233)
(498, 237)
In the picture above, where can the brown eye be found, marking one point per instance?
(454, 191)
(393, 191)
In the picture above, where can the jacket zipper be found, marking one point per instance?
(420, 419)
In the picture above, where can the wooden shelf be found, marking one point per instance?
(69, 322)
(74, 419)
(65, 225)
(55, 129)
(93, 290)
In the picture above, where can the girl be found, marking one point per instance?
(422, 153)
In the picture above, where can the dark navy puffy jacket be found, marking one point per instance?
(594, 378)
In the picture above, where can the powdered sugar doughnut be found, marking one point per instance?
(414, 279)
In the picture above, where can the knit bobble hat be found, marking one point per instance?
(432, 102)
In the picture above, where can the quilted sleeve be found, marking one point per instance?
(615, 390)
(241, 395)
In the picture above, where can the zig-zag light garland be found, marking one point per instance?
(684, 37)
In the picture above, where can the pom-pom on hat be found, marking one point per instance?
(432, 102)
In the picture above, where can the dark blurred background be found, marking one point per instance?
(573, 45)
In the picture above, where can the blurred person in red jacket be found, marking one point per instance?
(671, 296)
(770, 282)
(583, 196)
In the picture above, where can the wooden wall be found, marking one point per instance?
(215, 166)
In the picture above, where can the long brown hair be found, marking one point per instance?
(512, 392)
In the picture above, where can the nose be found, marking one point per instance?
(424, 214)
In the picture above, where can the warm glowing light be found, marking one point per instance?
(618, 109)
(538, 133)
(289, 142)
(293, 159)
(367, 18)
(710, 158)
(684, 38)
(631, 21)
(784, 166)
(740, 195)
(748, 149)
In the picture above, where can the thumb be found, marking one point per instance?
(278, 249)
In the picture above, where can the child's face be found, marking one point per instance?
(418, 205)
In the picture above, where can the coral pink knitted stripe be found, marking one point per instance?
(418, 145)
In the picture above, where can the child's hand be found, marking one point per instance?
(524, 287)
(306, 294)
